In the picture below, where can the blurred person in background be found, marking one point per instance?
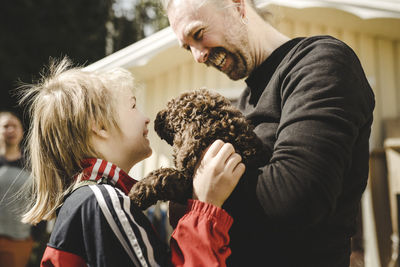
(15, 237)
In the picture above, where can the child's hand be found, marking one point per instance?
(217, 174)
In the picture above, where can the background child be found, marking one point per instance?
(86, 134)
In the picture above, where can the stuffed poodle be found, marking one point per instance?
(190, 123)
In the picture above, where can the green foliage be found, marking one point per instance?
(34, 31)
(136, 21)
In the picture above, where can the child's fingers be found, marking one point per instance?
(233, 161)
(218, 173)
(213, 149)
(224, 153)
(239, 170)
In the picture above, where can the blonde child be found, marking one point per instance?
(86, 134)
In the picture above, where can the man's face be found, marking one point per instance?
(214, 34)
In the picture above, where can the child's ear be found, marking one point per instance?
(100, 130)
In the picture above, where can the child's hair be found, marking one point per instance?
(64, 105)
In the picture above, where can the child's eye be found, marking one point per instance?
(134, 102)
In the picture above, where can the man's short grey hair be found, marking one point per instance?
(167, 3)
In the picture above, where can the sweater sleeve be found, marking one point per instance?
(201, 236)
(57, 258)
(326, 114)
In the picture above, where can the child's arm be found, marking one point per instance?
(201, 236)
(57, 258)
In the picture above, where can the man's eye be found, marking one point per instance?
(198, 35)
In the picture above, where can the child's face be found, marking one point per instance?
(131, 141)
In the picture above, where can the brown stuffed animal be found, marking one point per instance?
(190, 123)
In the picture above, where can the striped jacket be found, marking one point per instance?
(98, 225)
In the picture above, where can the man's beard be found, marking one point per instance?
(236, 70)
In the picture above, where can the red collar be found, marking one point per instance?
(95, 169)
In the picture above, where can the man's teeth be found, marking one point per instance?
(220, 59)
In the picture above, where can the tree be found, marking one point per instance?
(135, 20)
(33, 31)
(84, 30)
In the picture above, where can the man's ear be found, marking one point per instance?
(100, 131)
(241, 7)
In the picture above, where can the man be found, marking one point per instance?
(312, 107)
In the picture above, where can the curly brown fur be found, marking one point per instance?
(162, 184)
(190, 123)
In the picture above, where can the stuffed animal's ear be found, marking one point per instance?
(162, 128)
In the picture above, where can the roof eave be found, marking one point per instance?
(137, 54)
(365, 9)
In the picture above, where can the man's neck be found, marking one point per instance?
(266, 39)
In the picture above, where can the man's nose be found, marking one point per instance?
(200, 54)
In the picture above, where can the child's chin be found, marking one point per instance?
(149, 153)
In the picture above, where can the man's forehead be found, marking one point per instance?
(182, 21)
(179, 3)
(181, 8)
(187, 18)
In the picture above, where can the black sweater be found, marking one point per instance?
(312, 106)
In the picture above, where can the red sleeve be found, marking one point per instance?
(201, 236)
(58, 258)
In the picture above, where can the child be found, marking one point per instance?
(86, 134)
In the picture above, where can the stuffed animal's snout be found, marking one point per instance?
(162, 128)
